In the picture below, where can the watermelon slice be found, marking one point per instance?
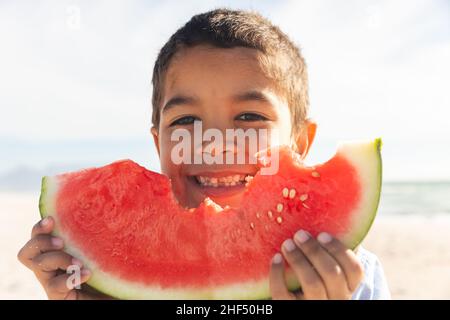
(125, 224)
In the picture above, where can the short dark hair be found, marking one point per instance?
(225, 28)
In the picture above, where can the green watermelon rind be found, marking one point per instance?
(123, 289)
(354, 239)
(42, 198)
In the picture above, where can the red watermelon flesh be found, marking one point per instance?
(125, 224)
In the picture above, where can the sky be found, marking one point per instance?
(75, 80)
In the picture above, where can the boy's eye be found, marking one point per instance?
(251, 117)
(184, 121)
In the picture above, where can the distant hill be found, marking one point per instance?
(24, 162)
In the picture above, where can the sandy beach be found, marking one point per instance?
(415, 253)
(413, 249)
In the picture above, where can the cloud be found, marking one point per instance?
(374, 66)
(378, 68)
(89, 80)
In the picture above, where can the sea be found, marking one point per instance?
(420, 197)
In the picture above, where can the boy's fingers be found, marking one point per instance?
(347, 259)
(38, 245)
(327, 267)
(44, 226)
(58, 287)
(310, 281)
(52, 261)
(278, 288)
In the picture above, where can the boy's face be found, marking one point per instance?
(224, 89)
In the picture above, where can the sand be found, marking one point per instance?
(415, 254)
(414, 250)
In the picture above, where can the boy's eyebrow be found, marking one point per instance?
(179, 100)
(253, 95)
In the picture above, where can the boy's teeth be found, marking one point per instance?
(227, 181)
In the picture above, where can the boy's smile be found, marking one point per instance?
(220, 184)
(223, 89)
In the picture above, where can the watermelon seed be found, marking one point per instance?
(285, 192)
(292, 193)
(315, 174)
(252, 225)
(279, 207)
(279, 220)
(303, 197)
(269, 213)
(258, 215)
(305, 205)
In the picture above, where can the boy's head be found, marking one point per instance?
(228, 70)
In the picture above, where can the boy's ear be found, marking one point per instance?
(305, 138)
(154, 133)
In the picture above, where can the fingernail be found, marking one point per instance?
(302, 236)
(277, 258)
(77, 262)
(324, 237)
(57, 242)
(45, 222)
(85, 272)
(289, 245)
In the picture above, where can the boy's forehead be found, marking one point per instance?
(231, 66)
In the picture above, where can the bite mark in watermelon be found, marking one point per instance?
(125, 224)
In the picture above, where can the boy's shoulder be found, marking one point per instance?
(374, 285)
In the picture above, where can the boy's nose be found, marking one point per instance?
(210, 136)
(216, 147)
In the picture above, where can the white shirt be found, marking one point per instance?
(374, 285)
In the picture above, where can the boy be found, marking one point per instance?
(230, 70)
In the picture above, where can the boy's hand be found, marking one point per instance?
(325, 268)
(44, 256)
